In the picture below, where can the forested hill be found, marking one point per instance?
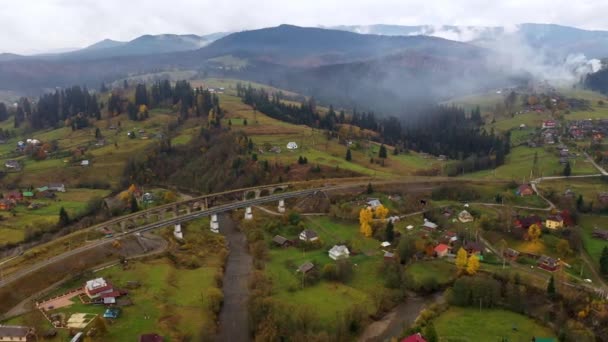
(598, 81)
(304, 46)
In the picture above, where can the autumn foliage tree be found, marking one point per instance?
(534, 232)
(461, 260)
(365, 220)
(381, 212)
(473, 264)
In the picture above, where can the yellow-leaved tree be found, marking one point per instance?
(461, 260)
(473, 264)
(381, 212)
(132, 188)
(534, 232)
(365, 220)
(124, 196)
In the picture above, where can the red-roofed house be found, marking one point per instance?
(524, 190)
(97, 287)
(442, 250)
(414, 338)
(549, 124)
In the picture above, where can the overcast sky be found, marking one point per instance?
(44, 25)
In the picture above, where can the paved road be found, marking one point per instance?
(599, 168)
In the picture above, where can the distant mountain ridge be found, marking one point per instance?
(140, 46)
(563, 40)
(305, 46)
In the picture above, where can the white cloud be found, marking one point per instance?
(29, 25)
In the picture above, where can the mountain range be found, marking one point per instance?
(561, 40)
(385, 72)
(143, 45)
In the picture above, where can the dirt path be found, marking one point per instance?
(234, 320)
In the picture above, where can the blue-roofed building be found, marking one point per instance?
(112, 313)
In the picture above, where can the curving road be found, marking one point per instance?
(172, 221)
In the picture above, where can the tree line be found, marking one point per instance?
(438, 130)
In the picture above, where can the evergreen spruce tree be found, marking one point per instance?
(567, 170)
(551, 287)
(133, 204)
(370, 189)
(64, 219)
(349, 156)
(382, 153)
(580, 203)
(390, 231)
(604, 261)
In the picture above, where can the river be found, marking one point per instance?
(234, 320)
(392, 324)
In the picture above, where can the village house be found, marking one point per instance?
(14, 196)
(527, 221)
(511, 254)
(373, 203)
(112, 313)
(338, 252)
(417, 337)
(548, 124)
(306, 267)
(12, 165)
(600, 234)
(430, 226)
(28, 195)
(569, 194)
(281, 241)
(58, 187)
(389, 256)
(449, 238)
(97, 287)
(473, 247)
(465, 217)
(15, 333)
(147, 198)
(6, 205)
(524, 190)
(554, 222)
(447, 212)
(441, 250)
(308, 235)
(548, 263)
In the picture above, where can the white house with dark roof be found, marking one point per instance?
(428, 225)
(309, 235)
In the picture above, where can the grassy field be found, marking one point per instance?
(441, 270)
(328, 300)
(174, 298)
(593, 246)
(313, 144)
(589, 188)
(468, 324)
(106, 162)
(13, 226)
(518, 165)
